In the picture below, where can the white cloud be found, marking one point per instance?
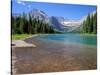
(23, 3)
(20, 2)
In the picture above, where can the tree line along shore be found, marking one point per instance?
(23, 27)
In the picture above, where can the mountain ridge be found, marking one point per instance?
(58, 22)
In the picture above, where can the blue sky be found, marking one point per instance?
(68, 11)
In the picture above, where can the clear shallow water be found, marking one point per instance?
(70, 38)
(56, 52)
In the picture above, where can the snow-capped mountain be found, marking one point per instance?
(56, 23)
(75, 25)
(71, 25)
(59, 23)
(38, 14)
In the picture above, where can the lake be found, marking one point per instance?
(57, 52)
(70, 38)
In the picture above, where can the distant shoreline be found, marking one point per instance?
(24, 36)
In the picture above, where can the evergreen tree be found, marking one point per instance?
(95, 23)
(28, 24)
(90, 24)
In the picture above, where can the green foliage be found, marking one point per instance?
(20, 36)
(23, 25)
(90, 24)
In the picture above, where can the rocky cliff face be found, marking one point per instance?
(59, 23)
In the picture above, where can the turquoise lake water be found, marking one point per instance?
(57, 52)
(70, 38)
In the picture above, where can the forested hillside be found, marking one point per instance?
(90, 24)
(38, 22)
(29, 25)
